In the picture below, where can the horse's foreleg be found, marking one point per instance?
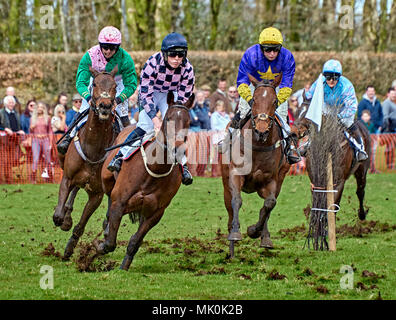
(106, 220)
(64, 191)
(269, 204)
(236, 203)
(93, 203)
(115, 213)
(67, 221)
(360, 176)
(136, 240)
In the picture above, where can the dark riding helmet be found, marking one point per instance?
(174, 43)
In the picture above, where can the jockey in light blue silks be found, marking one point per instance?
(333, 90)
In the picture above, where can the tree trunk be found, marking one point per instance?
(63, 13)
(214, 11)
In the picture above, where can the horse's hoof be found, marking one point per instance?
(57, 220)
(253, 232)
(266, 243)
(67, 224)
(362, 215)
(234, 236)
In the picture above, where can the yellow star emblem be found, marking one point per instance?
(268, 75)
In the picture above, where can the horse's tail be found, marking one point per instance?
(134, 217)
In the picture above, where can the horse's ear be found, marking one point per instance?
(170, 98)
(277, 80)
(253, 80)
(114, 71)
(93, 71)
(190, 101)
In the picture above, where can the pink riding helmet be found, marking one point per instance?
(110, 34)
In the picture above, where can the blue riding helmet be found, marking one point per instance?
(332, 66)
(174, 41)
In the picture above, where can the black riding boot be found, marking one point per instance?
(186, 175)
(291, 152)
(357, 142)
(64, 144)
(116, 162)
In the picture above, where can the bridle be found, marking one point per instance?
(263, 116)
(93, 106)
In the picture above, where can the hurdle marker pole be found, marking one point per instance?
(331, 221)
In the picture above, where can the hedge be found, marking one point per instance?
(45, 75)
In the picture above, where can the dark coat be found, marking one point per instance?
(5, 122)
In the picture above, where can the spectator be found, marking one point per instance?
(58, 121)
(10, 123)
(371, 103)
(62, 99)
(389, 110)
(10, 91)
(299, 93)
(292, 107)
(194, 121)
(220, 118)
(27, 114)
(233, 97)
(207, 92)
(201, 110)
(40, 127)
(366, 119)
(9, 118)
(76, 105)
(221, 94)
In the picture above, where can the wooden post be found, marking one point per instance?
(331, 221)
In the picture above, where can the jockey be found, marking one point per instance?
(168, 70)
(266, 60)
(339, 92)
(104, 57)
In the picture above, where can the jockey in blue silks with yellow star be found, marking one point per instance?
(267, 60)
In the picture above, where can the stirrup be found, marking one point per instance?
(187, 178)
(115, 164)
(361, 155)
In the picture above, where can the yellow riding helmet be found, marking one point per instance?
(270, 35)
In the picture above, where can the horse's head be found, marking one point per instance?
(301, 124)
(176, 122)
(104, 92)
(265, 103)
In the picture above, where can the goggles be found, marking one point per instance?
(332, 76)
(269, 48)
(180, 54)
(109, 46)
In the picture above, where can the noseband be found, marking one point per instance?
(263, 116)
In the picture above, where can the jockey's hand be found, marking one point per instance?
(157, 122)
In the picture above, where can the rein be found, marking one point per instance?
(164, 146)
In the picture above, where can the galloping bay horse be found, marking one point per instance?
(142, 188)
(268, 164)
(83, 161)
(330, 140)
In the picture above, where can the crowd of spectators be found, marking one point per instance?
(212, 111)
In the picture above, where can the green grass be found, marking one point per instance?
(185, 255)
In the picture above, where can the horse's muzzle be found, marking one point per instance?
(104, 111)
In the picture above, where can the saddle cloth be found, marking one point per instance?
(129, 151)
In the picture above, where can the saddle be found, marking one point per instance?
(131, 150)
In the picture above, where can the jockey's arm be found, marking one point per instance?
(186, 86)
(243, 78)
(288, 70)
(349, 106)
(83, 77)
(129, 79)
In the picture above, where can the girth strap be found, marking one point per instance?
(82, 155)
